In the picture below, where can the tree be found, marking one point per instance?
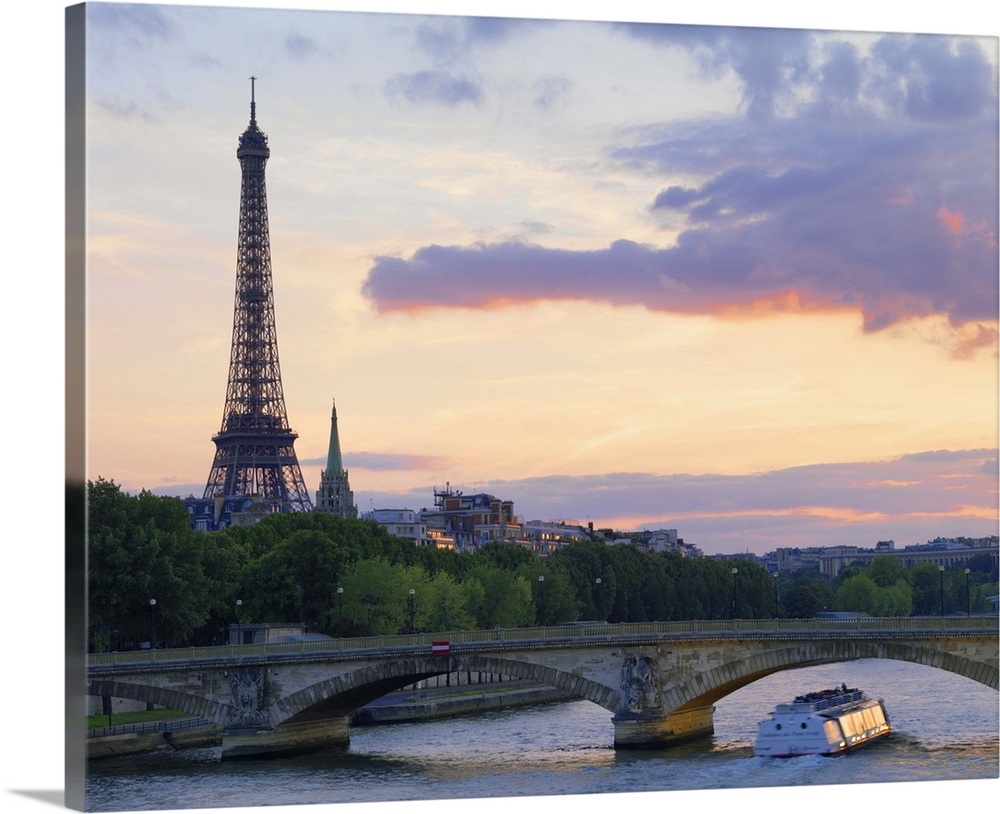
(861, 595)
(584, 563)
(626, 572)
(802, 601)
(553, 596)
(445, 605)
(376, 597)
(884, 570)
(898, 599)
(505, 555)
(140, 548)
(295, 580)
(498, 598)
(925, 581)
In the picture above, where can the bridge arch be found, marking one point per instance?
(162, 696)
(341, 695)
(569, 682)
(706, 688)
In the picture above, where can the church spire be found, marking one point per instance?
(334, 494)
(334, 460)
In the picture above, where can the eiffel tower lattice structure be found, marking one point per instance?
(254, 449)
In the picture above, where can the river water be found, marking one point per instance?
(944, 728)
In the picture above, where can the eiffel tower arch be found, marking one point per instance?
(254, 448)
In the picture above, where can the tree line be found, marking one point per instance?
(886, 588)
(345, 577)
(289, 567)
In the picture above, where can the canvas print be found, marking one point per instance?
(634, 426)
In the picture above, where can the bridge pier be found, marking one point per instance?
(644, 720)
(285, 739)
(648, 732)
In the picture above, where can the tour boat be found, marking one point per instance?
(822, 723)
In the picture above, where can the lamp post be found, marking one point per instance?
(775, 595)
(597, 595)
(941, 574)
(735, 572)
(239, 622)
(152, 624)
(541, 597)
(968, 604)
(340, 610)
(413, 608)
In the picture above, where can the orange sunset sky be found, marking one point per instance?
(738, 282)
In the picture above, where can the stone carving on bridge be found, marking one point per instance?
(248, 706)
(640, 684)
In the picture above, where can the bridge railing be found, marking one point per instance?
(723, 627)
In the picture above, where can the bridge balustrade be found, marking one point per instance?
(570, 632)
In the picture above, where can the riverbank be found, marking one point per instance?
(194, 734)
(403, 706)
(408, 706)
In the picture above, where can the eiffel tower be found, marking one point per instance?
(254, 452)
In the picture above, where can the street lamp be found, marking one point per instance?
(968, 605)
(735, 572)
(597, 593)
(941, 574)
(412, 608)
(340, 610)
(152, 624)
(775, 595)
(541, 597)
(239, 622)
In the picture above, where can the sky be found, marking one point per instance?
(741, 282)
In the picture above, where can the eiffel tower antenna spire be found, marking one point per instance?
(254, 452)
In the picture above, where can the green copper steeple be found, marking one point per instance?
(334, 461)
(334, 494)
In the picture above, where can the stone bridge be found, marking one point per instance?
(659, 680)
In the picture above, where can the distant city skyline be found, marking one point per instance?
(737, 282)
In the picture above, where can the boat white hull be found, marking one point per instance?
(799, 729)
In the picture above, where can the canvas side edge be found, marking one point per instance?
(75, 406)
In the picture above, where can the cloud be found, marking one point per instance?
(551, 91)
(872, 191)
(452, 37)
(925, 483)
(301, 46)
(136, 23)
(434, 87)
(768, 62)
(385, 461)
(124, 109)
(911, 499)
(932, 78)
